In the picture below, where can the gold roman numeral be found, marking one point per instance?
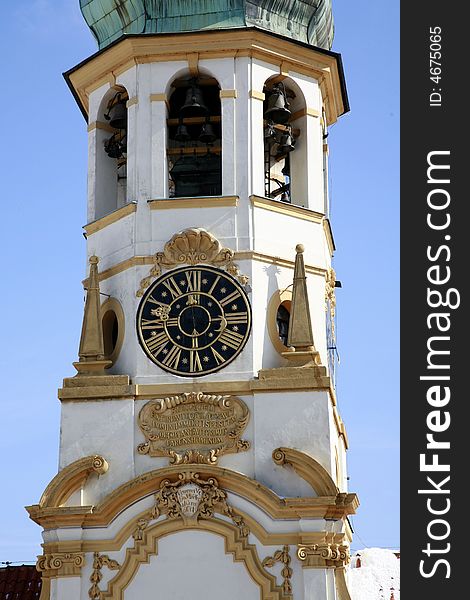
(194, 361)
(219, 359)
(151, 324)
(194, 281)
(217, 279)
(156, 343)
(172, 358)
(152, 300)
(230, 298)
(173, 322)
(172, 287)
(236, 318)
(231, 338)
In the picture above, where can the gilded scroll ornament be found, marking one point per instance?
(100, 561)
(191, 247)
(282, 556)
(64, 564)
(328, 554)
(194, 427)
(330, 299)
(189, 498)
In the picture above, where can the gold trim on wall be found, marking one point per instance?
(279, 297)
(282, 53)
(116, 215)
(52, 515)
(284, 208)
(132, 101)
(228, 94)
(308, 468)
(113, 305)
(70, 479)
(257, 95)
(200, 202)
(142, 261)
(235, 544)
(100, 125)
(305, 112)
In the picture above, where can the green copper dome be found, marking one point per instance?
(308, 21)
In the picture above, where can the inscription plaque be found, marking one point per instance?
(193, 427)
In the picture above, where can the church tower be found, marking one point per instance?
(202, 452)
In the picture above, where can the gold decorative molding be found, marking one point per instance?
(193, 63)
(282, 53)
(279, 297)
(65, 564)
(228, 94)
(305, 112)
(139, 261)
(308, 468)
(330, 299)
(235, 544)
(100, 561)
(257, 95)
(193, 427)
(284, 208)
(329, 236)
(283, 557)
(132, 101)
(71, 478)
(324, 555)
(190, 497)
(337, 506)
(158, 97)
(192, 246)
(100, 125)
(341, 585)
(113, 305)
(199, 202)
(113, 217)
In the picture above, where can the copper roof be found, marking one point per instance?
(20, 583)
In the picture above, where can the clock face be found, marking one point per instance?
(194, 321)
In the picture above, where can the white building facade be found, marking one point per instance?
(202, 451)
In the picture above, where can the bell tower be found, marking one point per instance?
(202, 452)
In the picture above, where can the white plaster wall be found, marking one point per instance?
(298, 420)
(104, 428)
(63, 588)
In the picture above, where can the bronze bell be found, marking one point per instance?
(197, 175)
(286, 143)
(207, 135)
(182, 134)
(115, 147)
(193, 105)
(278, 110)
(117, 115)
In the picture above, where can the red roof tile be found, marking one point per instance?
(20, 583)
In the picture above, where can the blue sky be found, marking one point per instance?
(43, 154)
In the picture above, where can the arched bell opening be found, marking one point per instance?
(195, 137)
(111, 153)
(283, 101)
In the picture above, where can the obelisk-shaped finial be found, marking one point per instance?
(300, 337)
(91, 350)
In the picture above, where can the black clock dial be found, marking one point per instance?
(194, 320)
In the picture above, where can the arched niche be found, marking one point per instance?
(170, 547)
(109, 151)
(285, 161)
(194, 126)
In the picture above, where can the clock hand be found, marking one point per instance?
(223, 323)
